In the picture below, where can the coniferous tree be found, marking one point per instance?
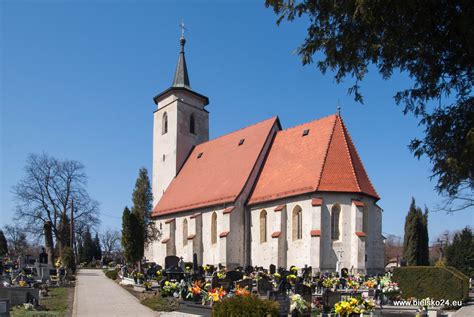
(460, 253)
(64, 234)
(89, 247)
(425, 251)
(48, 241)
(80, 252)
(131, 241)
(142, 206)
(3, 244)
(97, 249)
(415, 242)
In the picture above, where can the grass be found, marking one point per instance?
(159, 303)
(56, 304)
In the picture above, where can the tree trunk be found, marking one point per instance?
(48, 242)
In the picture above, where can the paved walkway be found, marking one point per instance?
(97, 295)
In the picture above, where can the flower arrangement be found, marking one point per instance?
(298, 304)
(291, 278)
(352, 283)
(58, 263)
(370, 283)
(195, 290)
(215, 295)
(147, 285)
(221, 275)
(22, 283)
(169, 288)
(353, 306)
(330, 282)
(242, 291)
(159, 275)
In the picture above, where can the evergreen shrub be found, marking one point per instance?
(244, 306)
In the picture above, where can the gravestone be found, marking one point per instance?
(225, 283)
(235, 275)
(344, 273)
(249, 270)
(214, 281)
(283, 302)
(304, 291)
(246, 283)
(272, 269)
(331, 298)
(4, 308)
(170, 261)
(195, 263)
(43, 257)
(264, 287)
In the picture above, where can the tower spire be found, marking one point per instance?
(181, 78)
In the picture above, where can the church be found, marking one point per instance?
(260, 195)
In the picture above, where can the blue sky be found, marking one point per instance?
(78, 77)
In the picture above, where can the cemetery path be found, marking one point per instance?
(97, 295)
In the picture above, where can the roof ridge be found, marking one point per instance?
(227, 134)
(357, 154)
(326, 154)
(344, 131)
(302, 124)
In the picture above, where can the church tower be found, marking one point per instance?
(179, 123)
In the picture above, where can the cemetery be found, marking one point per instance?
(34, 285)
(259, 291)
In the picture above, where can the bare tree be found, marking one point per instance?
(110, 240)
(17, 239)
(46, 192)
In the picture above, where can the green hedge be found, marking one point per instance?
(111, 274)
(244, 306)
(434, 282)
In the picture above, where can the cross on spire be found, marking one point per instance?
(338, 109)
(182, 28)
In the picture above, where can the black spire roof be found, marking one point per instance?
(181, 78)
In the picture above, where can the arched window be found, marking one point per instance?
(365, 219)
(297, 223)
(164, 126)
(263, 226)
(192, 124)
(185, 232)
(214, 228)
(335, 213)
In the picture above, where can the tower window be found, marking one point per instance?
(199, 155)
(306, 132)
(192, 124)
(164, 127)
(241, 142)
(164, 157)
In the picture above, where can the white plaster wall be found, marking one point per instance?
(178, 142)
(299, 252)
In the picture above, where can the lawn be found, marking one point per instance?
(56, 304)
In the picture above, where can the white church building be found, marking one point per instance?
(260, 195)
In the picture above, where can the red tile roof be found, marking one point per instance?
(316, 202)
(220, 174)
(224, 234)
(323, 160)
(360, 234)
(279, 208)
(276, 234)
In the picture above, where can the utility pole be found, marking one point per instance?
(71, 238)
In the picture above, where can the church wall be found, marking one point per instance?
(316, 248)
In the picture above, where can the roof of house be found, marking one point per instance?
(315, 156)
(216, 171)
